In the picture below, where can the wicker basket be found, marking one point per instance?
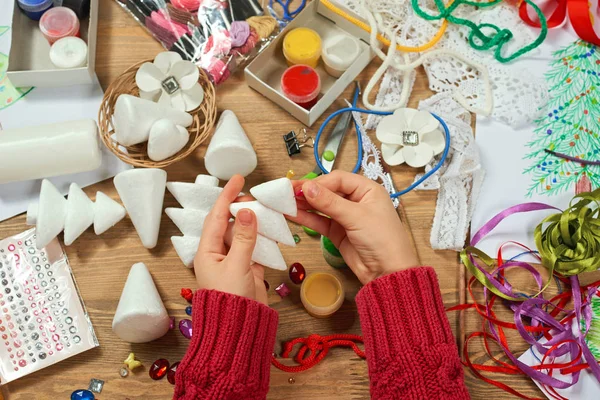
(204, 119)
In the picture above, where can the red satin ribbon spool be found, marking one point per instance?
(578, 12)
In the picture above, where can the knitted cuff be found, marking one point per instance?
(403, 311)
(230, 350)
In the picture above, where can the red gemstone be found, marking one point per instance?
(159, 369)
(297, 273)
(171, 373)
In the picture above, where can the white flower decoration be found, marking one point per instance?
(170, 81)
(410, 136)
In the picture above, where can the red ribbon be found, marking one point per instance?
(578, 12)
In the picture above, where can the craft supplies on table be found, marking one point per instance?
(34, 9)
(49, 150)
(322, 294)
(30, 60)
(265, 72)
(58, 23)
(44, 318)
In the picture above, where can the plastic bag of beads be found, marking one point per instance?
(218, 35)
(43, 319)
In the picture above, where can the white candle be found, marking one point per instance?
(69, 52)
(49, 150)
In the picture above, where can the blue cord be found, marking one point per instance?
(360, 154)
(285, 6)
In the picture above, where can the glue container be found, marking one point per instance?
(34, 9)
(322, 294)
(301, 84)
(59, 22)
(302, 46)
(339, 52)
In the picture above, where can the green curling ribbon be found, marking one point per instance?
(479, 40)
(569, 242)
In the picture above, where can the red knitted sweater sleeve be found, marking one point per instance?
(410, 349)
(229, 354)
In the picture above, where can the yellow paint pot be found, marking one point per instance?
(322, 294)
(302, 46)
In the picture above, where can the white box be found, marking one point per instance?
(264, 73)
(29, 60)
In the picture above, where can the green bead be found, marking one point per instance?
(296, 238)
(330, 247)
(329, 155)
(310, 232)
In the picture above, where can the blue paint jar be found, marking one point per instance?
(34, 9)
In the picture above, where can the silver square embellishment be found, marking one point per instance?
(170, 85)
(96, 385)
(410, 138)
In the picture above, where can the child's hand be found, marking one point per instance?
(230, 271)
(364, 225)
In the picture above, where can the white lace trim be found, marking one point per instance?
(458, 180)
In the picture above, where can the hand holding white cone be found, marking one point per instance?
(141, 315)
(277, 195)
(271, 224)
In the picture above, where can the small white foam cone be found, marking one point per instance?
(189, 221)
(266, 252)
(142, 192)
(133, 117)
(166, 139)
(107, 213)
(270, 223)
(191, 195)
(52, 213)
(230, 151)
(207, 180)
(141, 315)
(186, 248)
(80, 214)
(277, 195)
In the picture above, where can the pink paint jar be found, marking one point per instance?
(301, 84)
(59, 22)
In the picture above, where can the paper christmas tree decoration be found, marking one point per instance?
(80, 214)
(133, 117)
(277, 195)
(107, 213)
(266, 252)
(271, 224)
(194, 196)
(186, 248)
(207, 180)
(166, 139)
(189, 221)
(49, 215)
(142, 192)
(141, 316)
(564, 155)
(229, 152)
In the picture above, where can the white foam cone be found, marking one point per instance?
(229, 152)
(141, 315)
(277, 195)
(51, 214)
(207, 180)
(80, 214)
(270, 223)
(107, 213)
(142, 192)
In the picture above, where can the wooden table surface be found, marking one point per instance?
(101, 264)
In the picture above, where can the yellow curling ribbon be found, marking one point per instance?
(570, 244)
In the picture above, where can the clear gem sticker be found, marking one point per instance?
(42, 317)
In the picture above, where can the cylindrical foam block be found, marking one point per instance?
(49, 150)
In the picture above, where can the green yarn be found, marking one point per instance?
(593, 336)
(479, 40)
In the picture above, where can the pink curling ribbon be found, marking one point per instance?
(564, 336)
(218, 44)
(187, 5)
(239, 31)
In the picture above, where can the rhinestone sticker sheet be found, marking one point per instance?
(42, 317)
